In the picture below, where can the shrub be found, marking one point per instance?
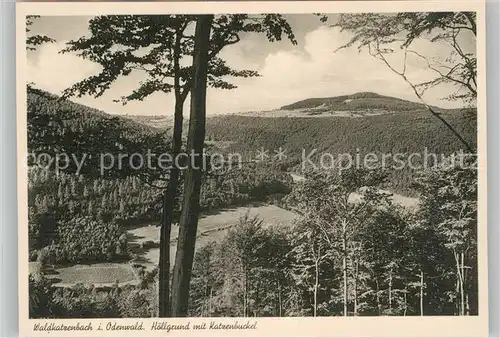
(85, 240)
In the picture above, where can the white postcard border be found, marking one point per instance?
(442, 326)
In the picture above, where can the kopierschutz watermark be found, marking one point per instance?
(386, 161)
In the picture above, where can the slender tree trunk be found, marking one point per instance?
(206, 299)
(316, 282)
(164, 268)
(467, 304)
(280, 306)
(171, 192)
(467, 291)
(210, 301)
(192, 183)
(390, 291)
(344, 265)
(461, 301)
(406, 303)
(378, 297)
(421, 292)
(257, 298)
(245, 297)
(356, 271)
(462, 282)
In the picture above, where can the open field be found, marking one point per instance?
(100, 274)
(409, 203)
(210, 228)
(144, 243)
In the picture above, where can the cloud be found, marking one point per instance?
(54, 72)
(310, 70)
(315, 70)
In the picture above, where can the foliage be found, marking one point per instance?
(34, 40)
(299, 269)
(158, 56)
(89, 301)
(382, 34)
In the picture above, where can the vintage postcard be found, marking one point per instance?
(252, 169)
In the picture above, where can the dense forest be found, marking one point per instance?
(291, 270)
(395, 133)
(64, 205)
(368, 258)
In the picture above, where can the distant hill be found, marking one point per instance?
(357, 102)
(155, 121)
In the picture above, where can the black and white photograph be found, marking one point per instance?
(251, 165)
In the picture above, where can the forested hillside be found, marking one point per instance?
(79, 215)
(401, 127)
(84, 218)
(61, 126)
(401, 132)
(280, 213)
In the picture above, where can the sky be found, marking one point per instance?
(288, 73)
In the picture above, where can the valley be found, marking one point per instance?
(144, 241)
(91, 232)
(144, 245)
(252, 154)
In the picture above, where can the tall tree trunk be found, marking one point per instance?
(405, 302)
(421, 292)
(462, 282)
(192, 184)
(390, 291)
(344, 264)
(356, 272)
(169, 198)
(316, 282)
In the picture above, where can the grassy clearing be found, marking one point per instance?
(100, 274)
(208, 229)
